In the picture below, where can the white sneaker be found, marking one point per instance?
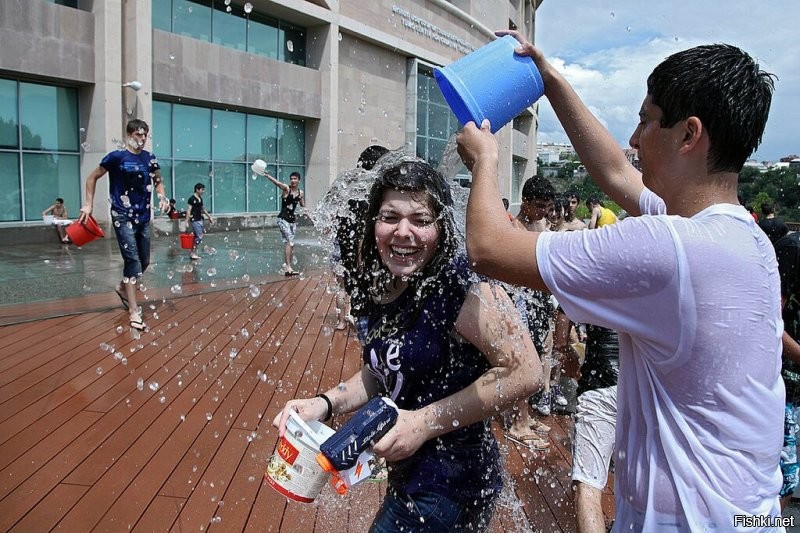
(194, 256)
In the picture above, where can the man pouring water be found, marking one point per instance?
(693, 290)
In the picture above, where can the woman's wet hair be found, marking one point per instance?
(428, 186)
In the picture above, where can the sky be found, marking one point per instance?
(606, 50)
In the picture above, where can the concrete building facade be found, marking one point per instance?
(219, 92)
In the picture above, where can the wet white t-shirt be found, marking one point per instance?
(696, 302)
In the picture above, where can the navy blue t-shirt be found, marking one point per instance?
(425, 363)
(130, 184)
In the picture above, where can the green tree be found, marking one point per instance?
(780, 186)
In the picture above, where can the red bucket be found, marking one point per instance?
(83, 233)
(187, 241)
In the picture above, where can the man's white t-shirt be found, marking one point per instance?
(696, 302)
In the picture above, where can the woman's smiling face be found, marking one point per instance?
(406, 231)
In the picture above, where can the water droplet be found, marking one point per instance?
(120, 329)
(140, 384)
(254, 291)
(248, 7)
(209, 416)
(99, 370)
(153, 385)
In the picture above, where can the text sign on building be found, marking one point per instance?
(431, 31)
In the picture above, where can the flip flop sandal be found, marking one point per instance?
(542, 429)
(532, 442)
(122, 297)
(138, 325)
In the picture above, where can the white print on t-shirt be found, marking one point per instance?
(387, 369)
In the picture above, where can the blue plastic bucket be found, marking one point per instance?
(492, 82)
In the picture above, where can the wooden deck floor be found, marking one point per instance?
(102, 429)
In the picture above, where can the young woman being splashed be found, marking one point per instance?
(446, 349)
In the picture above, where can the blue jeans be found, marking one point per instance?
(430, 512)
(134, 244)
(789, 466)
(197, 228)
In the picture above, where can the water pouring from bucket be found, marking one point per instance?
(490, 83)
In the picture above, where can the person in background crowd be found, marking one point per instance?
(133, 174)
(59, 211)
(571, 222)
(601, 215)
(291, 197)
(787, 250)
(774, 227)
(194, 218)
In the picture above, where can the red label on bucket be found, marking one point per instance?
(287, 452)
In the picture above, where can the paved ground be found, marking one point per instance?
(40, 272)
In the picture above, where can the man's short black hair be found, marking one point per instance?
(538, 187)
(137, 124)
(199, 186)
(370, 156)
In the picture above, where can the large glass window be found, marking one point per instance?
(49, 176)
(191, 132)
(262, 33)
(227, 24)
(228, 29)
(9, 121)
(10, 198)
(68, 3)
(435, 122)
(39, 149)
(228, 135)
(192, 18)
(50, 116)
(216, 147)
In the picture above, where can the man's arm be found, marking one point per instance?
(210, 218)
(282, 186)
(597, 149)
(48, 209)
(495, 246)
(189, 215)
(791, 350)
(91, 185)
(163, 203)
(595, 215)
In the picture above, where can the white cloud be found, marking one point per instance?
(607, 49)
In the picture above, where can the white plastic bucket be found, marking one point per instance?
(293, 469)
(259, 167)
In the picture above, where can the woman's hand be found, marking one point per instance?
(408, 434)
(308, 409)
